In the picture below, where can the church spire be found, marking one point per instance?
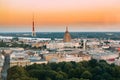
(66, 29)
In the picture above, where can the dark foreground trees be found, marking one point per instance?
(91, 70)
(18, 73)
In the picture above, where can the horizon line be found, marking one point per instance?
(57, 31)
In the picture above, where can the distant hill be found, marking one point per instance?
(52, 35)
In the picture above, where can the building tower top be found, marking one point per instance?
(66, 29)
(67, 37)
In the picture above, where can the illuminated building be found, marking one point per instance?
(67, 37)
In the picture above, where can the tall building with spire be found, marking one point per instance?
(33, 28)
(67, 37)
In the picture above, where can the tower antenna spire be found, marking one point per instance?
(33, 27)
(33, 16)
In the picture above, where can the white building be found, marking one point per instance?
(5, 37)
(93, 43)
(28, 39)
(105, 56)
(117, 62)
(61, 45)
(55, 45)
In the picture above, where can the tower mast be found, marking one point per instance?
(33, 27)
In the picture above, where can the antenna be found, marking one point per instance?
(33, 28)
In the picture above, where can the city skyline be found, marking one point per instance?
(79, 15)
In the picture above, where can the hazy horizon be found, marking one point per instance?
(61, 28)
(55, 15)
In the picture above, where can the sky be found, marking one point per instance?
(55, 15)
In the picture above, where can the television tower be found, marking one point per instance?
(33, 28)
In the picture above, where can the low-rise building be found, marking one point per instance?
(38, 62)
(61, 45)
(67, 57)
(19, 62)
(108, 56)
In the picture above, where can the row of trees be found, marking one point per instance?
(13, 44)
(23, 45)
(91, 70)
(3, 44)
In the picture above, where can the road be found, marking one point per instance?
(5, 67)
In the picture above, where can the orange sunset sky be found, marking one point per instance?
(54, 15)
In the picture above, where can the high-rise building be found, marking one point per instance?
(33, 28)
(67, 37)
